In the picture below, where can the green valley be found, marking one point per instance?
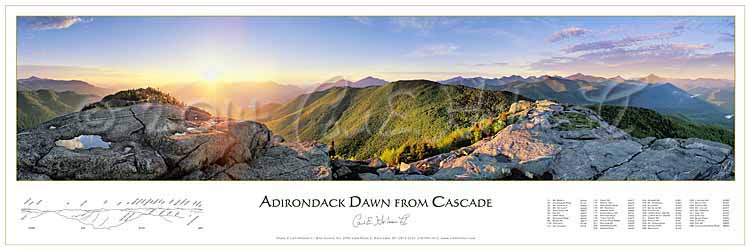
(38, 106)
(363, 122)
(641, 122)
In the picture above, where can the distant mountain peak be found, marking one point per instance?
(652, 78)
(368, 81)
(583, 77)
(341, 82)
(687, 83)
(549, 77)
(78, 86)
(618, 79)
(481, 82)
(31, 78)
(370, 78)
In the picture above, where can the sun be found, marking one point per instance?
(210, 74)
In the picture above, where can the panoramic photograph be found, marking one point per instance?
(375, 98)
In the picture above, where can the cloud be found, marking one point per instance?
(685, 46)
(362, 20)
(422, 25)
(680, 26)
(658, 52)
(51, 22)
(425, 25)
(670, 58)
(676, 27)
(624, 42)
(490, 64)
(553, 63)
(434, 50)
(617, 29)
(567, 33)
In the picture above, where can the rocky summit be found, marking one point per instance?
(556, 142)
(160, 141)
(546, 141)
(550, 141)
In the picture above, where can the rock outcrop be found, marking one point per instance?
(556, 142)
(547, 141)
(287, 161)
(160, 141)
(550, 141)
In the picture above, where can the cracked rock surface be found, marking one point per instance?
(284, 161)
(548, 141)
(544, 145)
(158, 141)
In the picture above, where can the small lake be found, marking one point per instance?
(84, 142)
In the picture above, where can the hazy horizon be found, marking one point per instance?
(334, 79)
(120, 52)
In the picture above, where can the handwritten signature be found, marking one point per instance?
(361, 220)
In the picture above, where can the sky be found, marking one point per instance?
(133, 51)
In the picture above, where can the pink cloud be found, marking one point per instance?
(567, 33)
(50, 22)
(612, 44)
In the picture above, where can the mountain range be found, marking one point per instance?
(719, 92)
(364, 121)
(480, 82)
(707, 104)
(37, 106)
(590, 78)
(722, 97)
(340, 82)
(78, 86)
(422, 114)
(688, 83)
(250, 100)
(711, 102)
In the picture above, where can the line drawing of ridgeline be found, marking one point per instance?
(109, 214)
